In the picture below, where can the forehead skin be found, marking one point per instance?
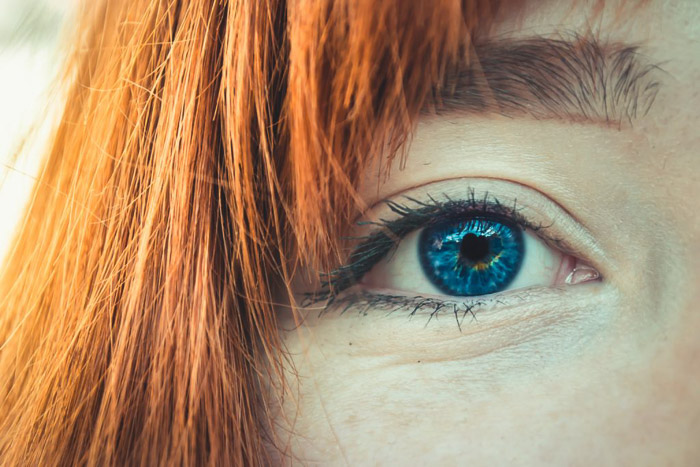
(627, 393)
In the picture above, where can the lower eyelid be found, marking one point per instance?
(563, 317)
(362, 299)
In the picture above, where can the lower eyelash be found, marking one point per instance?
(363, 301)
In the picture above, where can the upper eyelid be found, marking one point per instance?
(375, 205)
(523, 191)
(488, 205)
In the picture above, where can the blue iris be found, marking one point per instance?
(471, 257)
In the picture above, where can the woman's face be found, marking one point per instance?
(572, 241)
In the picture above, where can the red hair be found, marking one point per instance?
(206, 147)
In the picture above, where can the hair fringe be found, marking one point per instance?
(206, 149)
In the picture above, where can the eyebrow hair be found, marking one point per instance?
(575, 80)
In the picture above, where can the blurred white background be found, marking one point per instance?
(30, 54)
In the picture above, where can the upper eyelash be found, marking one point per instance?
(387, 235)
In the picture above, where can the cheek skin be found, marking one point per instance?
(530, 402)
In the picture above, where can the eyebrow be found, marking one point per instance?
(575, 80)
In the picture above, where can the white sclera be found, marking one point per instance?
(401, 269)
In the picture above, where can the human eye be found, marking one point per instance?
(459, 245)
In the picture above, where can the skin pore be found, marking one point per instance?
(600, 372)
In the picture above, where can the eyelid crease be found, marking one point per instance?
(397, 194)
(511, 185)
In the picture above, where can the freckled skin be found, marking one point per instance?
(602, 373)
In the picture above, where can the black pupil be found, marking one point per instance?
(475, 248)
